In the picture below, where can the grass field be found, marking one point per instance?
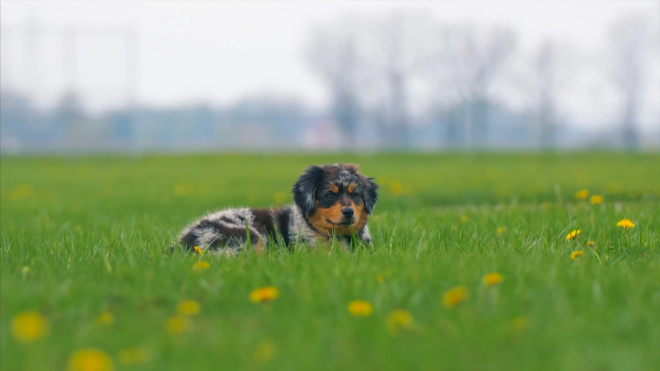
(85, 240)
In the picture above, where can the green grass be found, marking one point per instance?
(94, 233)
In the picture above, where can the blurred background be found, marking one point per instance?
(169, 76)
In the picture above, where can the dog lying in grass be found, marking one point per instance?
(330, 201)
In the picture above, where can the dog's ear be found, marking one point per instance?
(370, 195)
(303, 190)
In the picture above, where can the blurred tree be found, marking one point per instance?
(631, 40)
(332, 54)
(397, 50)
(543, 85)
(69, 118)
(19, 121)
(470, 59)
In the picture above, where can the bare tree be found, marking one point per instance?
(543, 85)
(332, 54)
(395, 54)
(630, 41)
(471, 60)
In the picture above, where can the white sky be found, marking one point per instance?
(220, 52)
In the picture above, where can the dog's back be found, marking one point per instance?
(329, 201)
(234, 228)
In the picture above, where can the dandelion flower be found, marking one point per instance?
(396, 188)
(181, 190)
(596, 199)
(520, 323)
(264, 351)
(492, 279)
(132, 356)
(591, 243)
(90, 359)
(105, 318)
(454, 296)
(26, 272)
(263, 294)
(464, 218)
(201, 265)
(398, 320)
(582, 194)
(576, 254)
(500, 230)
(545, 205)
(198, 250)
(177, 325)
(380, 278)
(29, 326)
(625, 224)
(573, 234)
(280, 197)
(187, 308)
(360, 308)
(21, 191)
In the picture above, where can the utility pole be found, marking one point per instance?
(70, 59)
(132, 82)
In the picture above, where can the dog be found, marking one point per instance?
(332, 201)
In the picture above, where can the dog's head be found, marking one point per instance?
(335, 198)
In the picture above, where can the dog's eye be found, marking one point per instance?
(354, 195)
(329, 196)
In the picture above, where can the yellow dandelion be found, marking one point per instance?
(464, 218)
(20, 192)
(625, 224)
(582, 194)
(360, 308)
(187, 308)
(546, 205)
(90, 359)
(280, 197)
(492, 279)
(26, 272)
(177, 325)
(264, 351)
(181, 190)
(380, 278)
(105, 318)
(500, 230)
(573, 234)
(454, 296)
(133, 356)
(198, 250)
(29, 326)
(576, 254)
(201, 265)
(396, 188)
(520, 323)
(263, 294)
(398, 320)
(596, 199)
(590, 243)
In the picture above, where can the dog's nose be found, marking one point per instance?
(348, 212)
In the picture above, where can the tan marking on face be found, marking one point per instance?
(350, 188)
(361, 216)
(319, 219)
(334, 188)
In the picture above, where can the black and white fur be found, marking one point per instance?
(228, 231)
